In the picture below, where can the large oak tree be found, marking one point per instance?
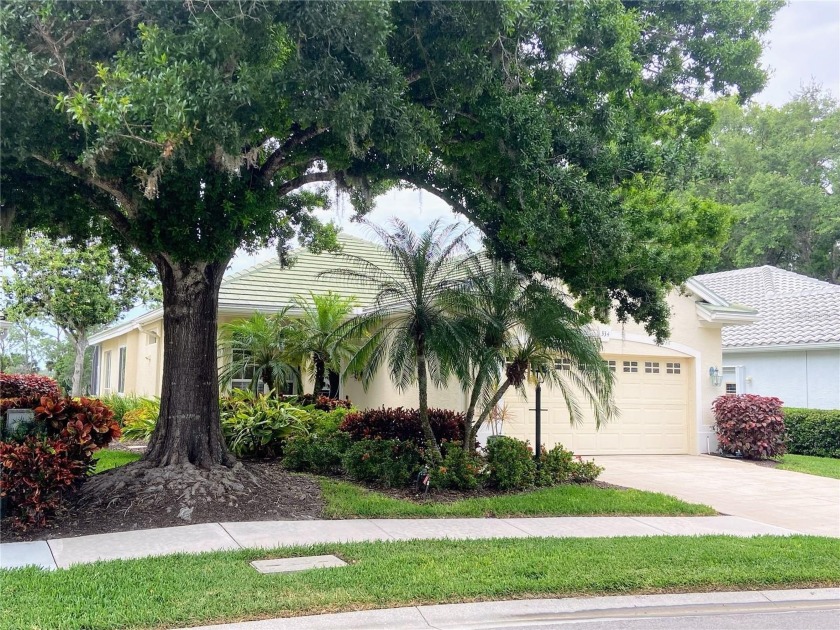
(564, 130)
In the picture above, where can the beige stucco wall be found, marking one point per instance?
(143, 362)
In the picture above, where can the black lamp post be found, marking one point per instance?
(539, 377)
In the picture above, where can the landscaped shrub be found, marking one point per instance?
(35, 475)
(121, 404)
(315, 453)
(139, 423)
(585, 471)
(260, 427)
(458, 470)
(394, 463)
(86, 422)
(750, 425)
(813, 431)
(555, 466)
(403, 424)
(28, 386)
(510, 464)
(322, 403)
(326, 422)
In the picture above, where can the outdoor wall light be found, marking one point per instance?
(715, 376)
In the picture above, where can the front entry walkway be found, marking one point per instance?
(804, 503)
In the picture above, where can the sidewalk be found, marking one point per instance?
(541, 612)
(64, 552)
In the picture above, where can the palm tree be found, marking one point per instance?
(508, 326)
(408, 322)
(316, 336)
(261, 345)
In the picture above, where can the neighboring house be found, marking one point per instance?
(793, 350)
(664, 392)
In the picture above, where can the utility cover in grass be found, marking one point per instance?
(288, 565)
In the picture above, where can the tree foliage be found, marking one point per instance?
(780, 171)
(77, 287)
(194, 127)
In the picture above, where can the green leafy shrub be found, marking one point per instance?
(393, 463)
(750, 425)
(326, 422)
(316, 453)
(36, 474)
(28, 386)
(121, 404)
(556, 466)
(458, 470)
(403, 424)
(510, 464)
(585, 471)
(259, 426)
(139, 422)
(813, 431)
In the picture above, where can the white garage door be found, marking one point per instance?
(652, 395)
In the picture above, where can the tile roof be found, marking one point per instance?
(267, 285)
(793, 309)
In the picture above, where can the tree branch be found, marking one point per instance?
(276, 160)
(308, 178)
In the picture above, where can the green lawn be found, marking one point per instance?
(107, 459)
(822, 466)
(217, 587)
(346, 500)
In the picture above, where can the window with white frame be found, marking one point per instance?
(106, 374)
(611, 365)
(151, 338)
(121, 372)
(651, 367)
(731, 389)
(672, 368)
(243, 378)
(630, 366)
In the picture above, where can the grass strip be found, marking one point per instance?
(221, 586)
(107, 459)
(346, 500)
(821, 466)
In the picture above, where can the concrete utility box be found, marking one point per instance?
(18, 417)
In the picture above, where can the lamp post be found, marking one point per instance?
(539, 377)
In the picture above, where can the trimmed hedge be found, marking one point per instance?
(813, 431)
(750, 425)
(403, 424)
(28, 386)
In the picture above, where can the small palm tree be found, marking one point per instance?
(508, 326)
(408, 323)
(316, 336)
(260, 343)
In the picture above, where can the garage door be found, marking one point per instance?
(652, 395)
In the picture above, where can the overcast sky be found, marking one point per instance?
(803, 46)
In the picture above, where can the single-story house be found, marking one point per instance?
(793, 350)
(664, 392)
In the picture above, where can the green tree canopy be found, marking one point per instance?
(78, 287)
(194, 128)
(781, 174)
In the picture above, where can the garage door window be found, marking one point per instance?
(651, 367)
(563, 365)
(631, 366)
(672, 368)
(611, 365)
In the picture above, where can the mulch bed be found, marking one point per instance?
(765, 463)
(277, 495)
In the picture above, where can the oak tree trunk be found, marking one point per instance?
(189, 429)
(80, 344)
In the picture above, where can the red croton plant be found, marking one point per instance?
(750, 425)
(38, 471)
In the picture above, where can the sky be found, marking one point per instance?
(803, 46)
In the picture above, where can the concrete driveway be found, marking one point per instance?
(804, 503)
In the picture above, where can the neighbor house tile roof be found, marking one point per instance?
(793, 309)
(268, 285)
